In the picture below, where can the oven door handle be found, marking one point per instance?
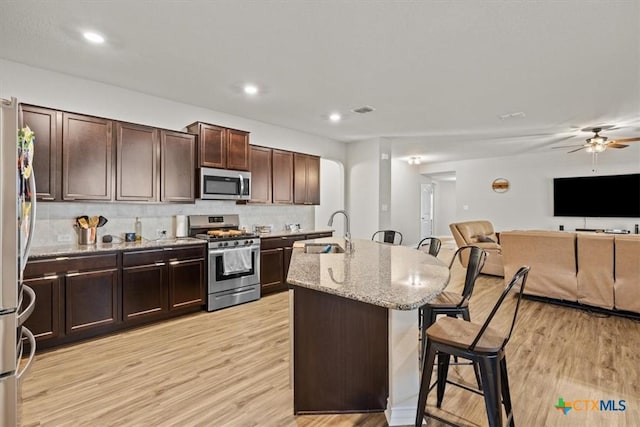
(221, 251)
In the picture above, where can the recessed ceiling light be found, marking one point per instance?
(93, 37)
(335, 117)
(250, 89)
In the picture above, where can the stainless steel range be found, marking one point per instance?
(234, 260)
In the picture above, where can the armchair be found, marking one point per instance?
(481, 234)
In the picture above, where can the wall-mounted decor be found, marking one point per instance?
(500, 185)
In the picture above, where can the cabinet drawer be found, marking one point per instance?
(280, 242)
(40, 267)
(143, 257)
(191, 252)
(319, 235)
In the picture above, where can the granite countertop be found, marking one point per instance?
(75, 249)
(284, 233)
(395, 277)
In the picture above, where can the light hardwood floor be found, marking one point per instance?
(230, 368)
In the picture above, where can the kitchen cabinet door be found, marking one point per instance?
(45, 320)
(271, 270)
(144, 292)
(282, 176)
(87, 158)
(137, 169)
(178, 169)
(47, 126)
(212, 149)
(237, 149)
(306, 181)
(260, 174)
(186, 283)
(91, 300)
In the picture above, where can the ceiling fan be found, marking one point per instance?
(597, 143)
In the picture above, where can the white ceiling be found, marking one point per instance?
(438, 73)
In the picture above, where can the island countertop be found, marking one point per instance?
(395, 277)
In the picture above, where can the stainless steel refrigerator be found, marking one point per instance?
(17, 220)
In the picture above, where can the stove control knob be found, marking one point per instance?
(226, 243)
(248, 242)
(220, 244)
(235, 243)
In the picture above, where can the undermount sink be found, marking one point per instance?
(323, 248)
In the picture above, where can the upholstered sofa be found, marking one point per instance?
(594, 269)
(481, 234)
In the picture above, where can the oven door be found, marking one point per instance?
(221, 281)
(221, 184)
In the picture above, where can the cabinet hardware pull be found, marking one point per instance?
(174, 262)
(62, 258)
(50, 276)
(160, 264)
(75, 273)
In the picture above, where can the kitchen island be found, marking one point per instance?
(354, 326)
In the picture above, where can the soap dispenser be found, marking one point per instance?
(138, 229)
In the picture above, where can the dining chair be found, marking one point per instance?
(388, 236)
(484, 345)
(433, 244)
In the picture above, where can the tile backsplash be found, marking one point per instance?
(55, 221)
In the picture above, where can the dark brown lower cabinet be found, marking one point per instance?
(275, 256)
(271, 271)
(340, 354)
(144, 292)
(79, 297)
(91, 300)
(186, 283)
(45, 321)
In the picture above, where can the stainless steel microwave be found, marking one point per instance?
(223, 184)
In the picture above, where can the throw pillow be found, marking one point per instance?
(484, 239)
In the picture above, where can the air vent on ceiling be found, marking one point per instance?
(363, 110)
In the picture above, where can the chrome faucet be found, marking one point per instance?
(347, 230)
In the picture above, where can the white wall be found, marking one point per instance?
(528, 204)
(61, 91)
(444, 206)
(405, 200)
(362, 183)
(331, 195)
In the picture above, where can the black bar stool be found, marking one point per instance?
(484, 345)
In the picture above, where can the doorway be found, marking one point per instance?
(426, 210)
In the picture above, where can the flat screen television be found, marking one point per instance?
(597, 196)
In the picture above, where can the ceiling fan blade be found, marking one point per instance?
(616, 145)
(615, 141)
(568, 146)
(577, 149)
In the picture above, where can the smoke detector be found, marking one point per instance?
(363, 110)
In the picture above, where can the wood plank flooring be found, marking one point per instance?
(231, 368)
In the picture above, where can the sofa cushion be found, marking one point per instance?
(551, 256)
(627, 273)
(595, 269)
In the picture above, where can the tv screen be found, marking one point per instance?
(597, 196)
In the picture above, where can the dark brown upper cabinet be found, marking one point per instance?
(260, 174)
(87, 158)
(137, 158)
(47, 126)
(306, 181)
(178, 171)
(220, 147)
(282, 176)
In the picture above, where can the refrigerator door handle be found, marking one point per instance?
(32, 351)
(32, 221)
(24, 315)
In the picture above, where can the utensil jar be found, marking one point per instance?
(87, 236)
